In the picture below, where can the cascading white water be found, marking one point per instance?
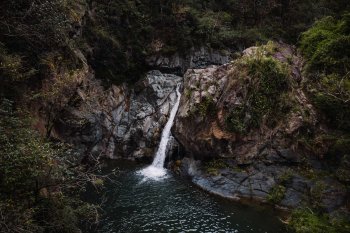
(156, 170)
(160, 156)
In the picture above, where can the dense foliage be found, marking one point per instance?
(40, 182)
(264, 77)
(117, 36)
(307, 221)
(326, 46)
(122, 33)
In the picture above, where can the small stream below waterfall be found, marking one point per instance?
(133, 204)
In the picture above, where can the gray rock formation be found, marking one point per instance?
(121, 121)
(194, 58)
(267, 163)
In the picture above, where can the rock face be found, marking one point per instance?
(121, 121)
(254, 182)
(194, 58)
(264, 162)
(211, 93)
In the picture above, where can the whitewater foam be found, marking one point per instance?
(157, 171)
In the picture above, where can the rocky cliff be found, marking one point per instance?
(126, 120)
(244, 126)
(121, 121)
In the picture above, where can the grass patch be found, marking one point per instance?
(206, 107)
(307, 221)
(212, 167)
(276, 194)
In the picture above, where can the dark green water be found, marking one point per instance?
(134, 204)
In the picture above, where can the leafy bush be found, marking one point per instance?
(307, 221)
(276, 194)
(212, 167)
(236, 120)
(39, 189)
(206, 107)
(326, 46)
(263, 101)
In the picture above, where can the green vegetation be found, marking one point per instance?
(316, 194)
(307, 221)
(267, 81)
(276, 194)
(326, 47)
(39, 181)
(117, 36)
(285, 177)
(235, 120)
(213, 166)
(278, 191)
(206, 107)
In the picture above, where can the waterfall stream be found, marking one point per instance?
(156, 170)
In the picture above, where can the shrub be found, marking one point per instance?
(39, 188)
(212, 167)
(236, 120)
(263, 103)
(276, 194)
(307, 221)
(206, 107)
(326, 46)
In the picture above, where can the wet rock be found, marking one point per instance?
(189, 167)
(292, 199)
(297, 192)
(121, 121)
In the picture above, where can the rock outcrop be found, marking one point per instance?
(194, 58)
(243, 142)
(121, 121)
(209, 96)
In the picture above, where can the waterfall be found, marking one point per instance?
(161, 153)
(156, 170)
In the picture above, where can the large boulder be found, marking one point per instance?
(247, 125)
(214, 94)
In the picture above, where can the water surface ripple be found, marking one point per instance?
(172, 204)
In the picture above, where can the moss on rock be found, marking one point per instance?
(266, 80)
